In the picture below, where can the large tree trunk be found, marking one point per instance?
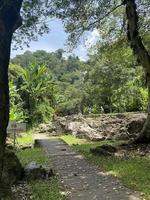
(5, 41)
(9, 22)
(144, 136)
(142, 56)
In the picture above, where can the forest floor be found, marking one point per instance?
(48, 189)
(132, 169)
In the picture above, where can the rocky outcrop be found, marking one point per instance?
(83, 130)
(51, 129)
(96, 127)
(135, 124)
(110, 126)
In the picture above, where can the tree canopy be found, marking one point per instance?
(74, 79)
(82, 87)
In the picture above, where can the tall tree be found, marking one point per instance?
(33, 14)
(10, 20)
(87, 15)
(38, 93)
(143, 56)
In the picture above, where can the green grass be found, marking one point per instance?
(46, 190)
(134, 172)
(72, 140)
(25, 139)
(28, 155)
(42, 189)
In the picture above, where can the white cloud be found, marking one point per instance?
(57, 39)
(92, 38)
(81, 52)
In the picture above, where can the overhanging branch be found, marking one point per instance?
(103, 17)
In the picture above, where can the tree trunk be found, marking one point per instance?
(144, 136)
(143, 57)
(9, 22)
(5, 41)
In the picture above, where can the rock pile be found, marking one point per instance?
(101, 127)
(51, 129)
(116, 126)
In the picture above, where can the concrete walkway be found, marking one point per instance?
(84, 180)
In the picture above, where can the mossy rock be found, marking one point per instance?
(104, 150)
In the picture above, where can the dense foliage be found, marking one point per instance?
(46, 83)
(32, 93)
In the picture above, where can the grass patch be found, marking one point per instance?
(72, 140)
(46, 190)
(42, 189)
(28, 155)
(25, 139)
(133, 171)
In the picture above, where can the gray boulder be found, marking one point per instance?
(135, 124)
(83, 130)
(90, 133)
(104, 150)
(45, 128)
(34, 171)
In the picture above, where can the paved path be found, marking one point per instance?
(84, 180)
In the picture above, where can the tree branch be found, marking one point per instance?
(106, 15)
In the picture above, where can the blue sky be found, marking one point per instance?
(56, 39)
